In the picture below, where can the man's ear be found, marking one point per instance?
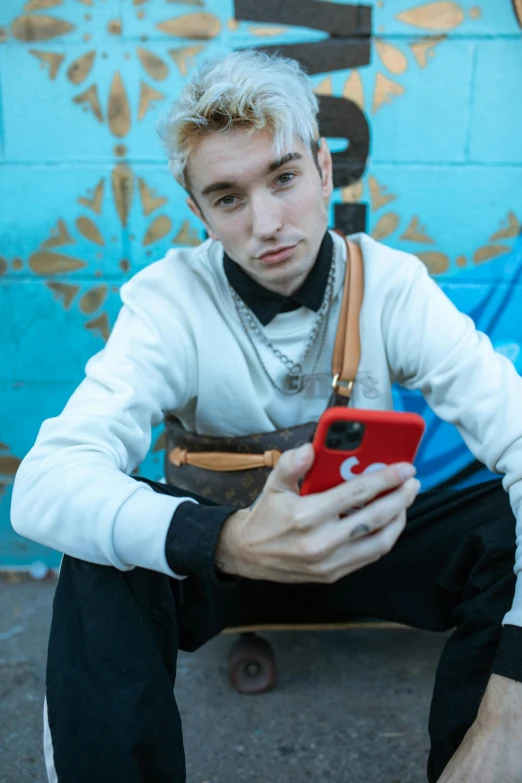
(324, 158)
(199, 214)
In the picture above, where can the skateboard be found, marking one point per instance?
(252, 665)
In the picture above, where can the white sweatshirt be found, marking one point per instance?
(178, 345)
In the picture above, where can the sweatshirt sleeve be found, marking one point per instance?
(433, 347)
(73, 491)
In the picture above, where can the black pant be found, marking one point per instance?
(115, 635)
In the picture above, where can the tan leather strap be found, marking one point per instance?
(347, 349)
(224, 461)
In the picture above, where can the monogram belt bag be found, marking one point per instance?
(232, 471)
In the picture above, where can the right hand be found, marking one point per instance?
(288, 538)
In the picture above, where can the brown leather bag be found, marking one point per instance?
(233, 470)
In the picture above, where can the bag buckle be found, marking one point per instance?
(343, 388)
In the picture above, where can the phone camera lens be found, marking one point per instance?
(338, 427)
(354, 434)
(333, 443)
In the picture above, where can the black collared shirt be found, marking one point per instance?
(267, 304)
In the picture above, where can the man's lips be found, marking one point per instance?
(279, 254)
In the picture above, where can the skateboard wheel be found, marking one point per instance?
(252, 666)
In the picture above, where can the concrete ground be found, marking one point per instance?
(349, 706)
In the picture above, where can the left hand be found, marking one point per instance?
(491, 751)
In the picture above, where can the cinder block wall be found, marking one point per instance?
(420, 101)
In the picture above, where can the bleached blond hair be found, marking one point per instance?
(247, 88)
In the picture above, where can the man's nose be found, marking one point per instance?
(266, 217)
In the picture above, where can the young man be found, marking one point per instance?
(202, 333)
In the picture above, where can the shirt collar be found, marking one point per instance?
(267, 304)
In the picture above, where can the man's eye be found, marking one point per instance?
(286, 177)
(226, 201)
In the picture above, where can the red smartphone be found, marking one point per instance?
(349, 442)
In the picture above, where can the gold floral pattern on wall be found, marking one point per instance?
(112, 102)
(439, 15)
(8, 466)
(433, 21)
(388, 222)
(56, 256)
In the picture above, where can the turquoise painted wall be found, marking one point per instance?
(86, 199)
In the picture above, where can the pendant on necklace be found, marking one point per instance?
(295, 379)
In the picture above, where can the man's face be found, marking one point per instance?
(270, 215)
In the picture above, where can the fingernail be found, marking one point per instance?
(406, 471)
(416, 486)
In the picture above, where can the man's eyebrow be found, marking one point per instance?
(276, 164)
(215, 187)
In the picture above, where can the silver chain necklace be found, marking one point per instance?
(295, 379)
